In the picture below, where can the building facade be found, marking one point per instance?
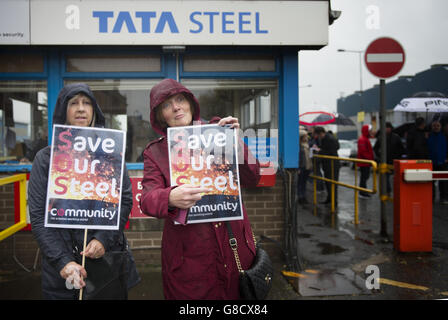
(239, 58)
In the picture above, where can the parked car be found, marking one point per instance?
(354, 152)
(345, 150)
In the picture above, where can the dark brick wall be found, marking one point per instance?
(264, 207)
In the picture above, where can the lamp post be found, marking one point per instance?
(359, 52)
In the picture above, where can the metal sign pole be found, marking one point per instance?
(383, 150)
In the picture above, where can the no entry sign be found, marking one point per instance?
(384, 57)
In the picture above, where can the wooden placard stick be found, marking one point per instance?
(83, 259)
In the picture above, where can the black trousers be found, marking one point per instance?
(365, 174)
(326, 166)
(442, 184)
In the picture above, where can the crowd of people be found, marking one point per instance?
(322, 142)
(419, 141)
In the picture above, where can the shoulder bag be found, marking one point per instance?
(256, 281)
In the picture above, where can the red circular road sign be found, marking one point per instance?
(384, 57)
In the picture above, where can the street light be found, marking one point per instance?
(306, 86)
(359, 52)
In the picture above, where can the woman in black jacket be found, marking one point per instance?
(76, 105)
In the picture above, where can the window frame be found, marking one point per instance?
(171, 63)
(24, 76)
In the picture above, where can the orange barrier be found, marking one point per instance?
(412, 208)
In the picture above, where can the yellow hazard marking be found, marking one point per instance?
(293, 274)
(312, 271)
(401, 284)
(299, 275)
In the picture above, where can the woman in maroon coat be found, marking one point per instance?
(197, 261)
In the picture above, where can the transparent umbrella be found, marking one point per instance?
(309, 118)
(428, 101)
(339, 119)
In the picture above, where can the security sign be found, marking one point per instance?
(384, 57)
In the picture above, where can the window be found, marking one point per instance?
(23, 119)
(254, 102)
(125, 104)
(228, 63)
(264, 107)
(113, 63)
(20, 62)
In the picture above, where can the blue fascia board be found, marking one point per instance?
(134, 166)
(289, 111)
(15, 167)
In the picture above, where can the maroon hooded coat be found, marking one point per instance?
(365, 150)
(197, 261)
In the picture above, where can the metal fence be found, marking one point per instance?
(334, 182)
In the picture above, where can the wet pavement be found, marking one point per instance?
(356, 262)
(338, 259)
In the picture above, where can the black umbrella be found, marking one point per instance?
(339, 119)
(405, 127)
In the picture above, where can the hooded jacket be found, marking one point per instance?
(365, 150)
(197, 261)
(56, 244)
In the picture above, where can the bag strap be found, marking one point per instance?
(234, 246)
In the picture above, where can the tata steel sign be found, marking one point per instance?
(179, 22)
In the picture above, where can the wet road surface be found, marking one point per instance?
(339, 260)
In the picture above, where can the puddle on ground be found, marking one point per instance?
(328, 248)
(328, 283)
(304, 235)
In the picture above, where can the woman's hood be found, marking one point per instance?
(162, 91)
(365, 130)
(68, 92)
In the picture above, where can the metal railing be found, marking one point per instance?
(21, 178)
(333, 182)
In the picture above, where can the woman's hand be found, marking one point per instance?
(229, 120)
(94, 249)
(74, 275)
(185, 196)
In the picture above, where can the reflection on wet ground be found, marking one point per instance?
(328, 248)
(340, 252)
(330, 282)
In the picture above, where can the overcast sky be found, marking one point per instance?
(419, 25)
